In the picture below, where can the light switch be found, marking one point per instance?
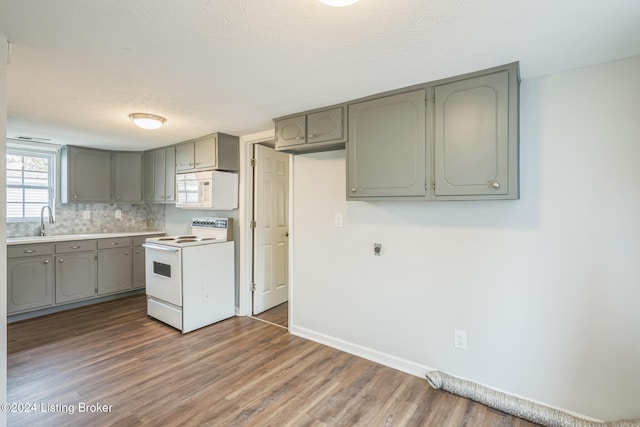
(338, 220)
(86, 214)
(118, 214)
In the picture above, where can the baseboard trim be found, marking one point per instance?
(385, 359)
(398, 363)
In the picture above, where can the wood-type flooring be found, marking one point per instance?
(111, 365)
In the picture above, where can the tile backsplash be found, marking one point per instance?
(69, 219)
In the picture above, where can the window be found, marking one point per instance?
(30, 183)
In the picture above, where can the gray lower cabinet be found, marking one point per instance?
(312, 132)
(475, 142)
(75, 276)
(387, 147)
(75, 270)
(115, 266)
(160, 175)
(29, 278)
(86, 175)
(127, 177)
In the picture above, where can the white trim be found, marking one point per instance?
(400, 364)
(385, 359)
(43, 147)
(244, 218)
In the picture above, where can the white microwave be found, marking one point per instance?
(207, 190)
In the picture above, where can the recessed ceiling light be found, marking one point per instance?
(147, 121)
(338, 3)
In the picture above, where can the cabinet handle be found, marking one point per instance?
(299, 137)
(30, 251)
(61, 260)
(46, 261)
(75, 196)
(137, 252)
(313, 135)
(126, 253)
(495, 185)
(114, 243)
(117, 197)
(76, 247)
(190, 163)
(354, 189)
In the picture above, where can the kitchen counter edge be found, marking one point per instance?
(69, 237)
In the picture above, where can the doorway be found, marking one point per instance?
(270, 234)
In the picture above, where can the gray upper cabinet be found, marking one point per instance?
(127, 176)
(387, 147)
(475, 137)
(86, 175)
(160, 175)
(291, 132)
(215, 151)
(312, 132)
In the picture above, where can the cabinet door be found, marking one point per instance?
(127, 179)
(290, 132)
(149, 176)
(325, 126)
(29, 283)
(138, 267)
(89, 175)
(114, 270)
(386, 148)
(472, 136)
(206, 152)
(159, 159)
(170, 174)
(184, 156)
(75, 276)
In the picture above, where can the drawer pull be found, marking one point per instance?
(114, 243)
(126, 253)
(76, 247)
(29, 251)
(46, 261)
(61, 260)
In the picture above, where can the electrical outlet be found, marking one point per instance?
(118, 214)
(338, 220)
(86, 214)
(460, 339)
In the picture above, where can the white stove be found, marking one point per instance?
(191, 278)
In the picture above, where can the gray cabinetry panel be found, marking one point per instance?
(159, 175)
(29, 283)
(215, 151)
(75, 276)
(291, 132)
(139, 278)
(471, 140)
(326, 126)
(114, 270)
(127, 177)
(86, 175)
(386, 148)
(312, 132)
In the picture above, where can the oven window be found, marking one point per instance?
(162, 269)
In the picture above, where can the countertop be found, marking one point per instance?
(68, 237)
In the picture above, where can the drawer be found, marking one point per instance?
(138, 240)
(15, 251)
(76, 246)
(117, 242)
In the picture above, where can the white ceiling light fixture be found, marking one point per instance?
(338, 3)
(147, 121)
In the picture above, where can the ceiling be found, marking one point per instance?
(78, 68)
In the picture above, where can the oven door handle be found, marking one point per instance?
(161, 248)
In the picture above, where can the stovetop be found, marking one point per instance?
(204, 230)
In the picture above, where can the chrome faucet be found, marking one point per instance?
(51, 221)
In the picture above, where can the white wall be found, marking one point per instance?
(3, 227)
(547, 287)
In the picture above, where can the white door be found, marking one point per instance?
(271, 207)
